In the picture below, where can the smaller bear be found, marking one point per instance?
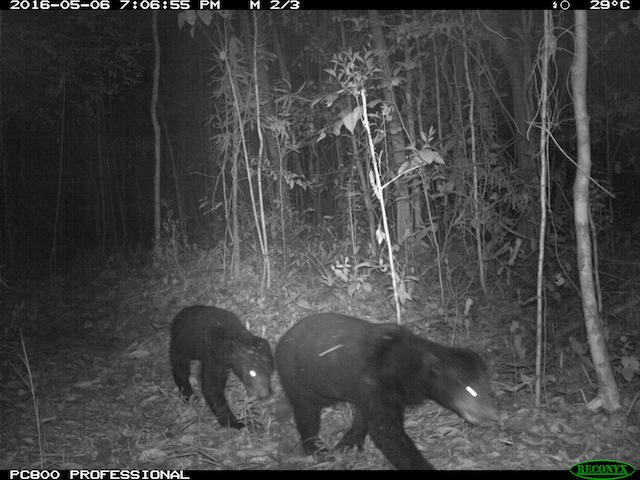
(217, 338)
(380, 369)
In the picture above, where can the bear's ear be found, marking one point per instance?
(388, 333)
(378, 346)
(227, 344)
(262, 345)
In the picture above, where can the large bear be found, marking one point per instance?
(217, 338)
(380, 369)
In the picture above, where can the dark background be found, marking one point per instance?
(77, 141)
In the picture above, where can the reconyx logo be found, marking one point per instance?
(602, 470)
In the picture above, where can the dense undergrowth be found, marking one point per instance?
(98, 390)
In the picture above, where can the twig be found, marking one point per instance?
(32, 390)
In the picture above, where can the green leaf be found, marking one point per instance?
(429, 156)
(206, 16)
(190, 16)
(351, 119)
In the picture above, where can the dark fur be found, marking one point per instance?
(380, 369)
(218, 339)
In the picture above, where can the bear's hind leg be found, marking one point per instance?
(307, 415)
(354, 437)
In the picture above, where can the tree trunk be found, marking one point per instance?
(182, 221)
(543, 108)
(235, 232)
(478, 221)
(267, 107)
(516, 58)
(608, 396)
(403, 217)
(156, 130)
(359, 161)
(7, 253)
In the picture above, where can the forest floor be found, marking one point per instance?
(97, 350)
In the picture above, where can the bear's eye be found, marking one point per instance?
(252, 373)
(471, 391)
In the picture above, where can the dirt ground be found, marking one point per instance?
(103, 396)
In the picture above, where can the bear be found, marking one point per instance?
(217, 338)
(379, 369)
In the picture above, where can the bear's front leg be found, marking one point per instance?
(214, 382)
(385, 421)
